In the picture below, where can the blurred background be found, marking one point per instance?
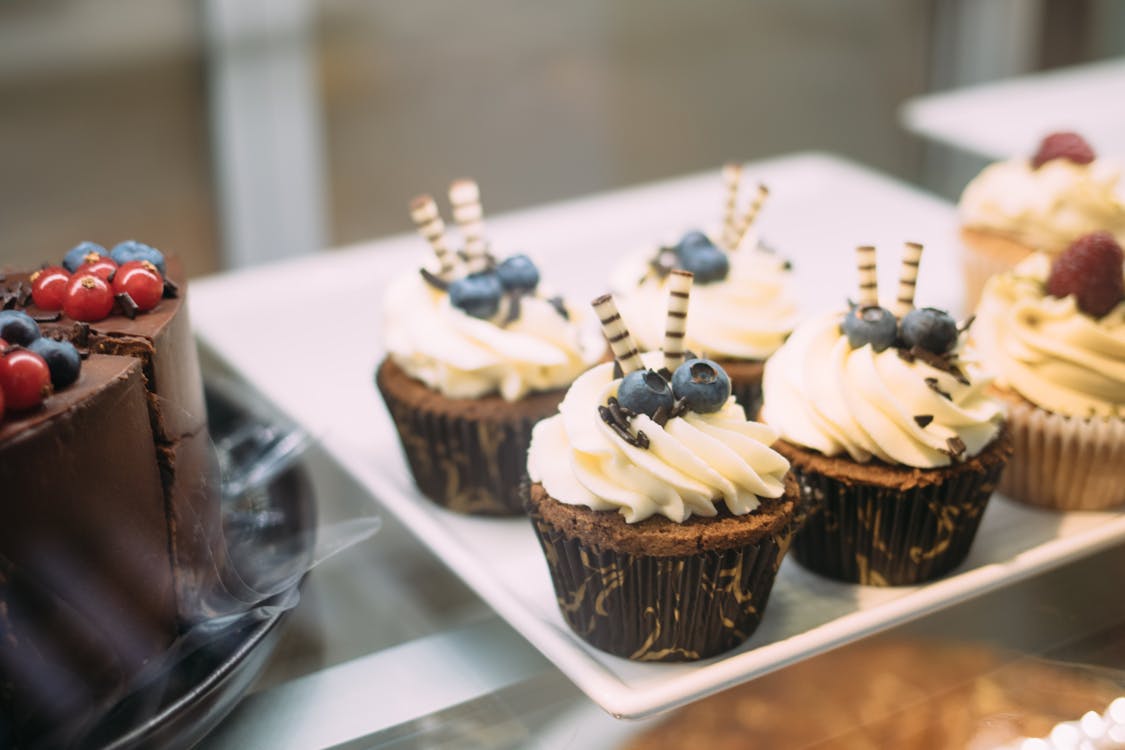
(234, 132)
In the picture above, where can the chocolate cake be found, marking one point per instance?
(112, 537)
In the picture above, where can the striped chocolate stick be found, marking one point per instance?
(467, 212)
(732, 178)
(747, 219)
(868, 279)
(620, 341)
(427, 219)
(908, 278)
(675, 326)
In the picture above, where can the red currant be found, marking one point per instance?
(88, 298)
(141, 281)
(97, 265)
(24, 378)
(48, 287)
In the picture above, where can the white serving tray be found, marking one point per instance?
(306, 333)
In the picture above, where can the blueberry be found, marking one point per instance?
(931, 329)
(518, 272)
(645, 391)
(123, 252)
(870, 325)
(703, 384)
(18, 327)
(707, 264)
(692, 240)
(477, 294)
(62, 360)
(77, 255)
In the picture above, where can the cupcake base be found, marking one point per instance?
(659, 590)
(984, 255)
(1063, 463)
(467, 455)
(746, 382)
(884, 525)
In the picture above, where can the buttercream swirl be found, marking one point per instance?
(822, 394)
(1047, 350)
(1049, 207)
(466, 357)
(747, 315)
(692, 462)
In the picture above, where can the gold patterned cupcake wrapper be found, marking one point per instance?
(886, 536)
(1064, 463)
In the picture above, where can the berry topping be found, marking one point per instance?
(129, 250)
(870, 324)
(88, 298)
(18, 327)
(645, 391)
(702, 384)
(931, 329)
(518, 273)
(1069, 146)
(140, 280)
(96, 265)
(1091, 270)
(24, 378)
(48, 287)
(77, 254)
(62, 360)
(697, 254)
(478, 294)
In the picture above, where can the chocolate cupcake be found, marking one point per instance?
(1054, 332)
(743, 305)
(1020, 206)
(891, 433)
(478, 351)
(663, 513)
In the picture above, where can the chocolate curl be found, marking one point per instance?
(732, 178)
(467, 212)
(908, 277)
(751, 214)
(427, 219)
(620, 341)
(868, 279)
(675, 326)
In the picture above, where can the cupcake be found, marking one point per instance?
(1054, 332)
(743, 306)
(1020, 206)
(891, 434)
(478, 351)
(663, 513)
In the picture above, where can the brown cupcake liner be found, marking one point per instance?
(887, 535)
(667, 609)
(469, 463)
(983, 256)
(1064, 463)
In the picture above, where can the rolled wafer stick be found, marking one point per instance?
(427, 219)
(675, 326)
(467, 212)
(620, 341)
(868, 279)
(908, 277)
(752, 211)
(732, 178)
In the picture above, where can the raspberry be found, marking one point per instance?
(1063, 146)
(1091, 270)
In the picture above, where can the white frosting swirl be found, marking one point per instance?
(822, 394)
(1049, 207)
(747, 315)
(692, 462)
(1048, 351)
(466, 357)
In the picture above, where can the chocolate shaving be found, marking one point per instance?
(905, 355)
(560, 307)
(23, 293)
(617, 417)
(82, 335)
(663, 263)
(47, 317)
(171, 290)
(661, 416)
(943, 362)
(933, 384)
(128, 307)
(617, 411)
(787, 265)
(967, 323)
(618, 373)
(679, 406)
(513, 307)
(956, 446)
(923, 419)
(433, 280)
